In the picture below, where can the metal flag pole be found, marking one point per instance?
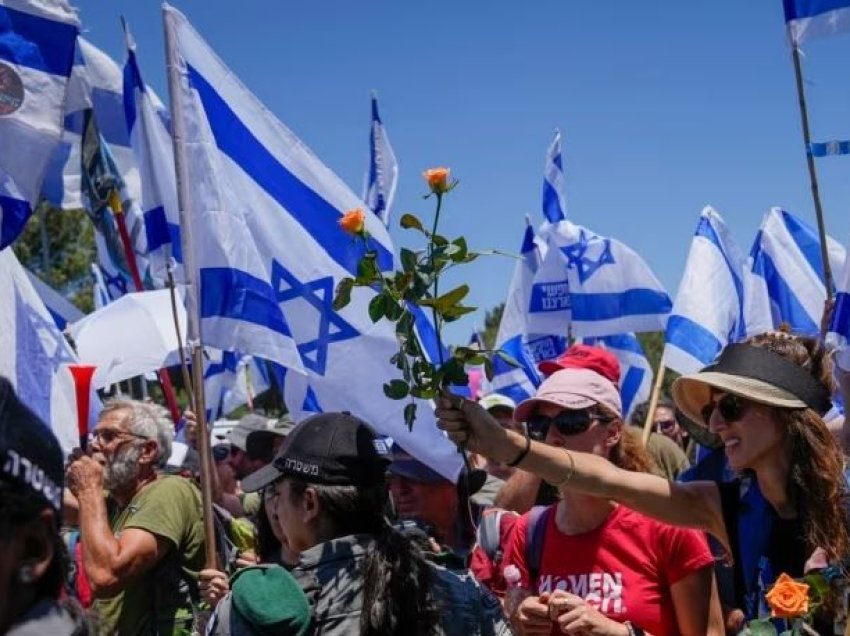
(810, 161)
(174, 66)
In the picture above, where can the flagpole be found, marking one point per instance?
(117, 207)
(810, 162)
(184, 202)
(653, 400)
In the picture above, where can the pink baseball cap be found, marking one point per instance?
(573, 389)
(582, 356)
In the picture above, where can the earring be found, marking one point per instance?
(26, 574)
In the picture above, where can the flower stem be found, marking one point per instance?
(434, 313)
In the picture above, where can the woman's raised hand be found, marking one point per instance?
(469, 425)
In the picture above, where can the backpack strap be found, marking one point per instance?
(538, 519)
(489, 533)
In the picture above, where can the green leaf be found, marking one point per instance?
(342, 295)
(377, 307)
(408, 259)
(760, 628)
(439, 240)
(392, 310)
(476, 360)
(404, 326)
(488, 369)
(409, 221)
(396, 389)
(453, 313)
(459, 255)
(410, 415)
(470, 256)
(451, 298)
(818, 584)
(423, 393)
(367, 267)
(508, 358)
(452, 372)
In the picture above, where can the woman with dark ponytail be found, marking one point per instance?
(361, 575)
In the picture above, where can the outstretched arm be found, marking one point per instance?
(695, 505)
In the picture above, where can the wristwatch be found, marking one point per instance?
(633, 629)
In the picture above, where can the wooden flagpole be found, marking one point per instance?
(653, 400)
(810, 162)
(184, 201)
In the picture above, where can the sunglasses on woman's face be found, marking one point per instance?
(731, 408)
(565, 422)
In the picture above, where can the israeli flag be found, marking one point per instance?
(231, 380)
(146, 121)
(34, 354)
(270, 253)
(549, 305)
(635, 371)
(709, 310)
(383, 169)
(36, 56)
(784, 280)
(612, 289)
(100, 295)
(816, 18)
(515, 336)
(554, 206)
(60, 308)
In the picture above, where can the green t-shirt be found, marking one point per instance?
(169, 507)
(669, 457)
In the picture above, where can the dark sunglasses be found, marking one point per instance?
(731, 408)
(665, 425)
(565, 422)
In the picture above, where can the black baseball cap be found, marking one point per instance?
(329, 448)
(30, 455)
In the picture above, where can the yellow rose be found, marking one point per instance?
(438, 179)
(788, 598)
(353, 221)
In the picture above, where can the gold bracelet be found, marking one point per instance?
(570, 472)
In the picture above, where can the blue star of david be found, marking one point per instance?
(585, 265)
(319, 293)
(117, 283)
(35, 365)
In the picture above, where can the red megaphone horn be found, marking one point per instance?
(82, 374)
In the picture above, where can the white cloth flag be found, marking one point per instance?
(62, 310)
(816, 18)
(383, 169)
(231, 380)
(612, 289)
(36, 56)
(270, 260)
(784, 278)
(548, 309)
(709, 310)
(635, 371)
(34, 355)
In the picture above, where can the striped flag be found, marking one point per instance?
(383, 169)
(554, 205)
(635, 371)
(36, 57)
(816, 18)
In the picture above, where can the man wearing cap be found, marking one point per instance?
(502, 408)
(420, 493)
(144, 544)
(32, 572)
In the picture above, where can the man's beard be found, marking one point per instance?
(123, 470)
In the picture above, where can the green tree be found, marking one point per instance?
(653, 348)
(492, 318)
(58, 246)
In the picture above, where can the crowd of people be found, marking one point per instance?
(562, 521)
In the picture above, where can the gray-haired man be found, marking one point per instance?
(143, 544)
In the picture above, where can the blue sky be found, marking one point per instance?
(664, 107)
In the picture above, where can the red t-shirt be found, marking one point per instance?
(623, 568)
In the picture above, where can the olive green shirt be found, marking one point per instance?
(669, 457)
(158, 602)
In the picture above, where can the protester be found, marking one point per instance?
(665, 423)
(647, 574)
(144, 543)
(502, 408)
(764, 398)
(360, 574)
(668, 456)
(422, 494)
(33, 559)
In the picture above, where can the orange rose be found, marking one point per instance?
(788, 598)
(353, 221)
(438, 179)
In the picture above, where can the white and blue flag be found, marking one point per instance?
(635, 371)
(60, 308)
(816, 18)
(548, 308)
(514, 335)
(36, 57)
(554, 205)
(383, 169)
(100, 294)
(612, 289)
(709, 310)
(270, 253)
(146, 121)
(784, 281)
(231, 380)
(34, 355)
